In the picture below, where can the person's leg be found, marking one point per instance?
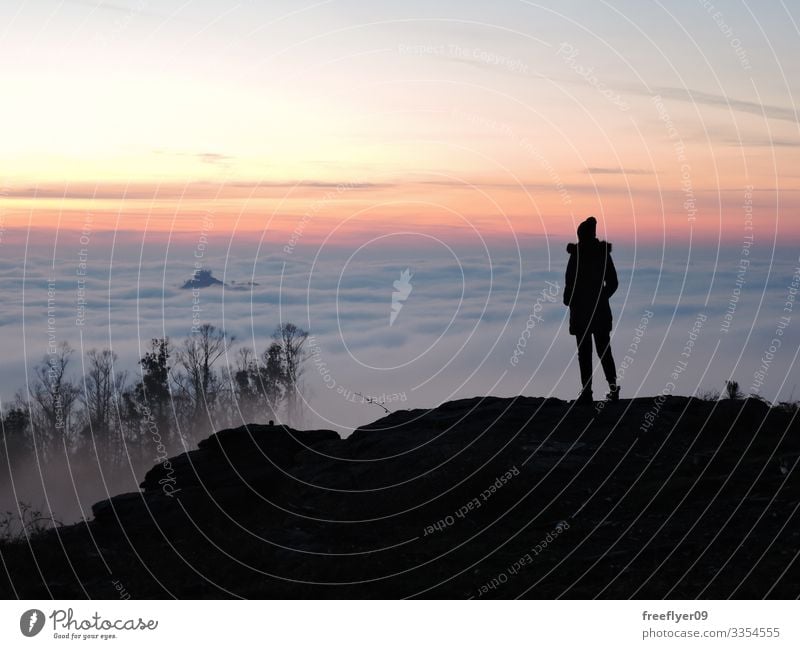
(585, 361)
(602, 340)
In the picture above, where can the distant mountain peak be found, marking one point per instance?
(202, 278)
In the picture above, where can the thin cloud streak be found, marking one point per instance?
(691, 96)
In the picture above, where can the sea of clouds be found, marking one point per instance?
(409, 320)
(474, 318)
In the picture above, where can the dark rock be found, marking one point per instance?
(436, 503)
(202, 278)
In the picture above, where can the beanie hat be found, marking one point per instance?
(587, 229)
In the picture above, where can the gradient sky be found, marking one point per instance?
(451, 117)
(310, 152)
(318, 150)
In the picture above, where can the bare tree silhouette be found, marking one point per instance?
(291, 340)
(200, 385)
(54, 397)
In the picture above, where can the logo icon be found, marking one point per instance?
(31, 622)
(402, 289)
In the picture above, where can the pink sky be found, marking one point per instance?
(508, 119)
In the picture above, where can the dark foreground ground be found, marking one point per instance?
(485, 497)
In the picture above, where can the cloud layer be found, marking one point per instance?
(455, 335)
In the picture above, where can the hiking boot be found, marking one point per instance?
(613, 392)
(584, 398)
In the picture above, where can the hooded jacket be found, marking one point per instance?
(590, 281)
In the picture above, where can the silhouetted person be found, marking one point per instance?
(590, 280)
